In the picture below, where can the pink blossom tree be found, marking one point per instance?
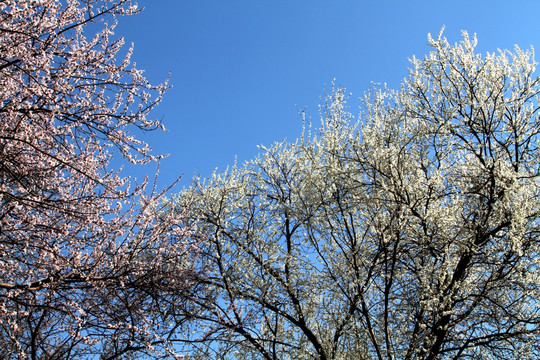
(87, 268)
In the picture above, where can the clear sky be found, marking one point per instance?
(241, 69)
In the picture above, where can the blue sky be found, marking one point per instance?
(241, 70)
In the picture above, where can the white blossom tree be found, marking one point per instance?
(409, 233)
(80, 276)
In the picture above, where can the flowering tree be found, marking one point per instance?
(412, 233)
(80, 275)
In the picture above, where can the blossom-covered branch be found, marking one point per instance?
(87, 268)
(410, 233)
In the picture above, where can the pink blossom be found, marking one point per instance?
(78, 251)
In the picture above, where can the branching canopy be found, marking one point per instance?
(411, 232)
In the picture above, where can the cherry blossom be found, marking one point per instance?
(410, 232)
(88, 269)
